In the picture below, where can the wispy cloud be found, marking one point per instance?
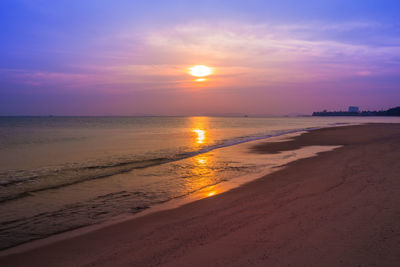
(275, 51)
(243, 54)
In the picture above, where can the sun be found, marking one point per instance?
(200, 71)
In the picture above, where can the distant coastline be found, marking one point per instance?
(390, 112)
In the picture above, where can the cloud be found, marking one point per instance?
(275, 52)
(37, 78)
(243, 54)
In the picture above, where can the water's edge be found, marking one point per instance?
(107, 170)
(174, 203)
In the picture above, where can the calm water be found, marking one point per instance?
(60, 173)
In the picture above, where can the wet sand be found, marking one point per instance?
(341, 208)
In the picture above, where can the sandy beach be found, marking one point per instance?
(341, 208)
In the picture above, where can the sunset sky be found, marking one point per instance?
(133, 57)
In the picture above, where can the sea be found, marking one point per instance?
(64, 173)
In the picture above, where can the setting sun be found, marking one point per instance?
(200, 71)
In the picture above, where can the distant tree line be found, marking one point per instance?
(390, 112)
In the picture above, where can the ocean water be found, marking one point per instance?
(62, 173)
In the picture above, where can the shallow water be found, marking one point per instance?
(60, 173)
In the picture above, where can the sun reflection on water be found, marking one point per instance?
(211, 193)
(203, 167)
(202, 175)
(201, 135)
(202, 161)
(199, 127)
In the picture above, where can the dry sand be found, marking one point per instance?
(341, 208)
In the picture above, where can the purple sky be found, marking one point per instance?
(132, 57)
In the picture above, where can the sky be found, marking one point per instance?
(132, 57)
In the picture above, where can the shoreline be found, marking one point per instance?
(207, 225)
(218, 188)
(39, 231)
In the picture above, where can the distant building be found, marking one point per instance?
(353, 109)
